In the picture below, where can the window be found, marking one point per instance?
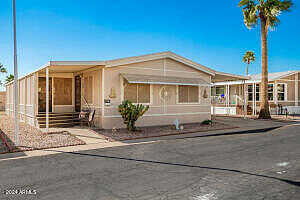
(257, 95)
(220, 91)
(88, 89)
(137, 93)
(188, 94)
(281, 92)
(270, 92)
(62, 91)
(251, 92)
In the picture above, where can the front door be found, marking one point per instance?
(77, 93)
(42, 94)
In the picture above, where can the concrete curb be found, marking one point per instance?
(173, 134)
(77, 148)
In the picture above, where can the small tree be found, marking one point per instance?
(2, 69)
(130, 113)
(9, 78)
(248, 58)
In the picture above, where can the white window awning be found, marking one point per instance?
(164, 80)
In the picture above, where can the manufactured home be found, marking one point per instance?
(283, 94)
(174, 87)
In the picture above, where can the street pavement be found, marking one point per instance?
(260, 165)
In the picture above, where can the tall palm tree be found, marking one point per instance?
(248, 58)
(267, 12)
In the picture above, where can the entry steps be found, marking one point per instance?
(67, 119)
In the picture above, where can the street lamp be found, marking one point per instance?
(16, 96)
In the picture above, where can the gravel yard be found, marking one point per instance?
(32, 138)
(157, 131)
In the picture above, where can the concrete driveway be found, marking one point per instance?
(262, 165)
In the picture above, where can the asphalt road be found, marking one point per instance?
(249, 166)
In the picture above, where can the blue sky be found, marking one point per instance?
(209, 32)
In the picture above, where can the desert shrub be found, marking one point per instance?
(131, 112)
(206, 122)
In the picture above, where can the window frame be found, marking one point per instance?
(285, 92)
(177, 95)
(257, 94)
(123, 93)
(250, 92)
(272, 92)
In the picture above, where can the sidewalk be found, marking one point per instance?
(94, 141)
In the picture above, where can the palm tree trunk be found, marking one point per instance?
(248, 68)
(264, 107)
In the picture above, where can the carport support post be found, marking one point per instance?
(47, 99)
(16, 88)
(253, 98)
(296, 89)
(245, 100)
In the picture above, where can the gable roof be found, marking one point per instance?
(273, 76)
(155, 56)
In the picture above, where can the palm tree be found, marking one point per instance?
(267, 11)
(9, 78)
(2, 69)
(248, 58)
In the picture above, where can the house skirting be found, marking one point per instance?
(110, 122)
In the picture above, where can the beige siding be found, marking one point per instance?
(162, 111)
(96, 94)
(26, 100)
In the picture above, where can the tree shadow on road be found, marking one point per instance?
(295, 183)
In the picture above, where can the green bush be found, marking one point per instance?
(130, 113)
(206, 122)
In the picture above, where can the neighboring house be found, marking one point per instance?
(283, 92)
(2, 101)
(174, 88)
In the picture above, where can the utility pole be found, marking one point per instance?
(16, 91)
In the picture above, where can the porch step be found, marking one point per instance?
(43, 114)
(55, 125)
(67, 119)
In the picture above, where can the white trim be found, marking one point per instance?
(235, 82)
(166, 114)
(297, 89)
(285, 92)
(168, 83)
(47, 99)
(152, 106)
(275, 93)
(52, 91)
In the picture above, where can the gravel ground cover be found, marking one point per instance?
(156, 131)
(31, 138)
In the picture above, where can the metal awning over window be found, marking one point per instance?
(164, 80)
